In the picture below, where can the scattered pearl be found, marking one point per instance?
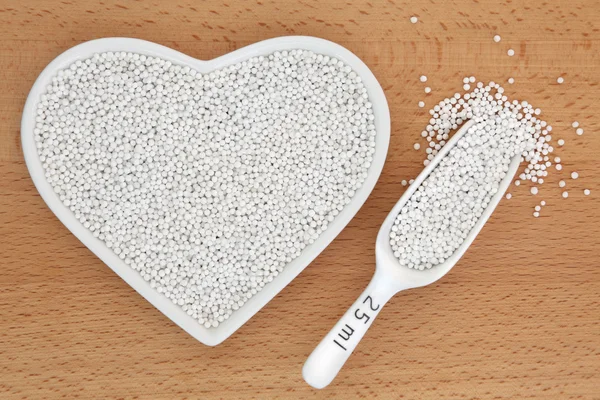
(508, 196)
(562, 183)
(404, 183)
(497, 38)
(543, 203)
(557, 160)
(207, 185)
(574, 175)
(534, 190)
(421, 104)
(411, 181)
(561, 142)
(511, 80)
(579, 131)
(558, 167)
(416, 146)
(510, 52)
(560, 79)
(565, 194)
(536, 214)
(427, 89)
(575, 124)
(537, 208)
(414, 20)
(423, 78)
(586, 192)
(466, 86)
(517, 182)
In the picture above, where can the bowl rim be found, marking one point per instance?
(207, 336)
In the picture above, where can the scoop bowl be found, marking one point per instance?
(390, 277)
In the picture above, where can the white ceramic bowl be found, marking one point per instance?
(211, 336)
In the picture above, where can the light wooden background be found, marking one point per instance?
(517, 318)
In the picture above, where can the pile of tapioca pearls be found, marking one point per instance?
(208, 185)
(485, 101)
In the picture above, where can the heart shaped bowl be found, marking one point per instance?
(208, 336)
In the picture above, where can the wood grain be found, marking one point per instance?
(517, 318)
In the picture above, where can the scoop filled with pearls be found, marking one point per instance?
(391, 276)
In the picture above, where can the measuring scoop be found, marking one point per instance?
(390, 277)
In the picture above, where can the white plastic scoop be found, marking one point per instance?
(390, 278)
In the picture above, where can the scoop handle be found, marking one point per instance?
(328, 358)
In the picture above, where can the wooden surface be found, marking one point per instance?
(518, 317)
